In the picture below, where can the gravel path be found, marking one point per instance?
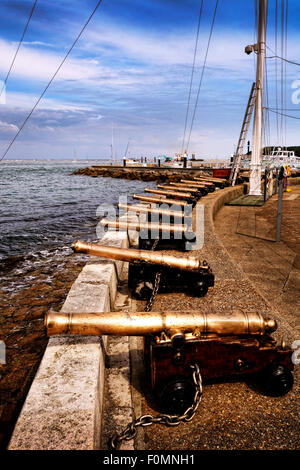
(232, 415)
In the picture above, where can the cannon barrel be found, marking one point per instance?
(198, 190)
(198, 183)
(176, 194)
(220, 184)
(138, 226)
(210, 178)
(133, 255)
(170, 322)
(179, 187)
(160, 200)
(151, 210)
(189, 186)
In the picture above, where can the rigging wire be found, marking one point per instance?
(16, 53)
(192, 75)
(282, 58)
(202, 73)
(282, 114)
(52, 78)
(288, 109)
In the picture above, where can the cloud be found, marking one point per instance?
(36, 65)
(133, 74)
(38, 43)
(5, 127)
(25, 101)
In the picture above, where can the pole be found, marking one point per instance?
(276, 181)
(112, 143)
(279, 210)
(256, 158)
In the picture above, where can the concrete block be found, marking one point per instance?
(112, 238)
(87, 298)
(63, 407)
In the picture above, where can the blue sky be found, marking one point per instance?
(131, 69)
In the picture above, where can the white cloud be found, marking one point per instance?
(36, 65)
(25, 101)
(37, 43)
(5, 126)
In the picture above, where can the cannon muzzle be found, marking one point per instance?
(170, 322)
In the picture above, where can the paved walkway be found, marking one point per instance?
(248, 234)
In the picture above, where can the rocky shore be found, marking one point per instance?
(162, 175)
(22, 329)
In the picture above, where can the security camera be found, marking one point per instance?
(248, 49)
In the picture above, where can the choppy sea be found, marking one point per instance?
(44, 209)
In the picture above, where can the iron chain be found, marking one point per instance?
(154, 292)
(156, 283)
(168, 420)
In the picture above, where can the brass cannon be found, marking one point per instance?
(186, 274)
(175, 203)
(233, 344)
(167, 228)
(210, 186)
(178, 195)
(219, 182)
(196, 192)
(200, 189)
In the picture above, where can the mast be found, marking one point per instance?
(112, 143)
(256, 158)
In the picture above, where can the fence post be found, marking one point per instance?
(279, 207)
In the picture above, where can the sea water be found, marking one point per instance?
(44, 209)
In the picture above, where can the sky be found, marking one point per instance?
(129, 75)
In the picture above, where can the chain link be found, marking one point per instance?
(167, 420)
(154, 292)
(155, 244)
(156, 283)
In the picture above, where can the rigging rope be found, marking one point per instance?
(192, 75)
(16, 53)
(202, 73)
(52, 78)
(282, 114)
(282, 58)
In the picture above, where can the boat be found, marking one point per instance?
(276, 159)
(279, 158)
